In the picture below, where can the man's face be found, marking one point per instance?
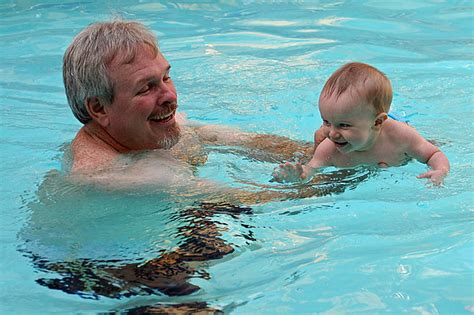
(349, 120)
(142, 114)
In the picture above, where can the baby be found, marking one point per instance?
(356, 129)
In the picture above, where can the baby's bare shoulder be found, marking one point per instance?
(326, 153)
(399, 132)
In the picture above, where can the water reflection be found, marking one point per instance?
(106, 244)
(97, 243)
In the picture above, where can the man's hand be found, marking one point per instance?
(288, 173)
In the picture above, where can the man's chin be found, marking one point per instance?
(172, 137)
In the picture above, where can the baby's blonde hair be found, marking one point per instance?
(370, 83)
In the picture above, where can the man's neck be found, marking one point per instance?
(103, 138)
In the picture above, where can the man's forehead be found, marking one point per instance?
(130, 55)
(144, 67)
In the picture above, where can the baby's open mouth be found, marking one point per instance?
(339, 144)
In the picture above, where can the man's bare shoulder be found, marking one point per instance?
(88, 154)
(95, 162)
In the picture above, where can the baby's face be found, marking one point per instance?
(350, 121)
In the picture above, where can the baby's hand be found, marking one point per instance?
(288, 172)
(435, 176)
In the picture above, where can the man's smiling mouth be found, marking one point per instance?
(162, 118)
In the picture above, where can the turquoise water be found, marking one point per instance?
(386, 242)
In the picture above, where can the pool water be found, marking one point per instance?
(381, 241)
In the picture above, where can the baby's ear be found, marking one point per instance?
(380, 119)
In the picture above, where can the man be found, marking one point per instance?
(118, 85)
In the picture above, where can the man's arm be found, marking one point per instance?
(180, 183)
(268, 147)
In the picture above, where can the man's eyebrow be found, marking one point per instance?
(151, 78)
(146, 79)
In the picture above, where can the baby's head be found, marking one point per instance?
(353, 104)
(364, 83)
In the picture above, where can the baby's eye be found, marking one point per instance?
(326, 123)
(344, 125)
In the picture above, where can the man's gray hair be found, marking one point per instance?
(87, 59)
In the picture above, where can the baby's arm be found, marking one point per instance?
(425, 152)
(289, 172)
(439, 164)
(320, 134)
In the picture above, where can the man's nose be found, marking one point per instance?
(167, 93)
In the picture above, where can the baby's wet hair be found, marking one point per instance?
(367, 81)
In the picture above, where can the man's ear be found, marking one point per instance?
(95, 108)
(380, 119)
